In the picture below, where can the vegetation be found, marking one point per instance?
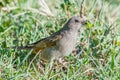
(23, 22)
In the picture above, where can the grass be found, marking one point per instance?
(23, 22)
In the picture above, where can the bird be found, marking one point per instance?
(60, 43)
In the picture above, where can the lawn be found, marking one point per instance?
(26, 21)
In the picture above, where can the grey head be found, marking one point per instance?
(75, 23)
(72, 25)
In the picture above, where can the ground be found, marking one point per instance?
(23, 22)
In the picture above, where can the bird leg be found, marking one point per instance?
(62, 62)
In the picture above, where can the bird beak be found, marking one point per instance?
(85, 21)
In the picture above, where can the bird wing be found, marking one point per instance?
(46, 43)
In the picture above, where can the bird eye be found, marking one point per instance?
(76, 20)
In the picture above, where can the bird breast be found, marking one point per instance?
(67, 43)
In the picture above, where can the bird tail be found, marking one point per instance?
(22, 47)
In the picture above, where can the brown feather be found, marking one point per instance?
(45, 43)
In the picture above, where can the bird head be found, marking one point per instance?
(75, 23)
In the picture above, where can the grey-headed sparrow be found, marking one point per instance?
(60, 43)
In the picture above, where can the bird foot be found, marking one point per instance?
(63, 63)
